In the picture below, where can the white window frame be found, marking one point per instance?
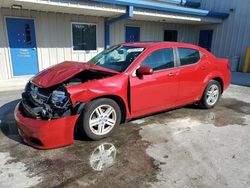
(83, 51)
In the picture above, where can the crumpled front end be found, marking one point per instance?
(45, 117)
(45, 103)
(44, 134)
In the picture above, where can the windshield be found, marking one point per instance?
(117, 58)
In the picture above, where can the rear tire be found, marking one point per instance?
(100, 118)
(211, 95)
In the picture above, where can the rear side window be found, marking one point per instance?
(188, 56)
(160, 59)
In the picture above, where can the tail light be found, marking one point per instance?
(228, 66)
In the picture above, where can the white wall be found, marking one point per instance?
(232, 37)
(153, 31)
(53, 36)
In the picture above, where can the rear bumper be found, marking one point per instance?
(227, 80)
(46, 134)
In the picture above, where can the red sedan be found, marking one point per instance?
(123, 82)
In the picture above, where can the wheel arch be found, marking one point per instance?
(214, 76)
(219, 79)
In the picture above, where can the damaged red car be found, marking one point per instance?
(123, 82)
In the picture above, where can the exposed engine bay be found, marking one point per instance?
(55, 102)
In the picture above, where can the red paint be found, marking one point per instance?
(62, 72)
(52, 133)
(151, 93)
(144, 70)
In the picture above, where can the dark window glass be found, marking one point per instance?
(27, 34)
(170, 35)
(84, 36)
(205, 40)
(160, 59)
(188, 56)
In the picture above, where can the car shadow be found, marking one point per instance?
(78, 132)
(7, 121)
(194, 106)
(8, 125)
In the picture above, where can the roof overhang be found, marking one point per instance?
(71, 7)
(107, 10)
(160, 16)
(166, 7)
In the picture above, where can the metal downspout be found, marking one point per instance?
(107, 23)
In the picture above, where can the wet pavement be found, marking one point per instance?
(185, 147)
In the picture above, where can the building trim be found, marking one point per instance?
(166, 7)
(192, 4)
(129, 14)
(187, 3)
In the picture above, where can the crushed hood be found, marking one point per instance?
(64, 71)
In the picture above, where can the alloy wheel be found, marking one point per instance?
(212, 94)
(102, 120)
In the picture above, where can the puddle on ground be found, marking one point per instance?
(103, 157)
(229, 111)
(118, 161)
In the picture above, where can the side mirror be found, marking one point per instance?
(144, 70)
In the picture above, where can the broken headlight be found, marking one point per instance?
(59, 97)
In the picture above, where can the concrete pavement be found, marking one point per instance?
(186, 147)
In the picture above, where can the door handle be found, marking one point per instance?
(171, 74)
(203, 67)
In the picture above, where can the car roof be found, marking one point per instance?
(163, 44)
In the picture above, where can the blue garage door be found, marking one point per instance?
(132, 34)
(22, 42)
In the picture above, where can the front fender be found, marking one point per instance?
(112, 86)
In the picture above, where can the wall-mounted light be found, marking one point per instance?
(14, 6)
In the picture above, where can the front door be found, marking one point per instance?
(22, 43)
(152, 93)
(205, 40)
(132, 34)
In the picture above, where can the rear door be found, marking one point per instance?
(193, 68)
(158, 91)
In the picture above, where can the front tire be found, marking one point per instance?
(211, 95)
(100, 118)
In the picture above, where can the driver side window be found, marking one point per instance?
(160, 59)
